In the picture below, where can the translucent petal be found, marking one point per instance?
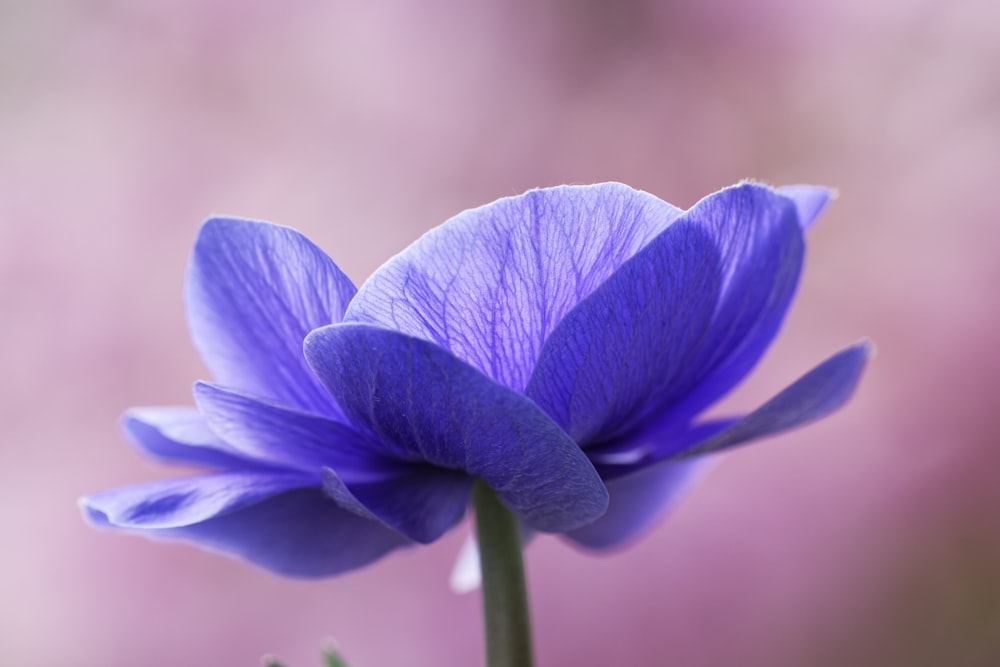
(810, 201)
(466, 575)
(179, 434)
(491, 283)
(253, 292)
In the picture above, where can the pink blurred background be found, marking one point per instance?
(871, 539)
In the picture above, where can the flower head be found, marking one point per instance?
(560, 345)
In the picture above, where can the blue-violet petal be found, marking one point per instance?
(421, 502)
(813, 396)
(296, 532)
(638, 500)
(253, 292)
(170, 503)
(435, 408)
(491, 283)
(810, 201)
(706, 294)
(283, 437)
(179, 434)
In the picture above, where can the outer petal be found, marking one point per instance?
(654, 442)
(420, 501)
(280, 436)
(705, 295)
(254, 290)
(274, 522)
(491, 283)
(810, 201)
(432, 407)
(179, 435)
(813, 396)
(638, 500)
(466, 575)
(182, 501)
(642, 490)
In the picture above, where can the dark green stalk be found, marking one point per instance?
(505, 597)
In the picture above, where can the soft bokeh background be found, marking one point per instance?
(872, 539)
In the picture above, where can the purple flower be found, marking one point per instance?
(560, 345)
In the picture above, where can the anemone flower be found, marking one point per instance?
(560, 346)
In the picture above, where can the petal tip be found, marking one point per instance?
(227, 230)
(221, 222)
(810, 200)
(867, 347)
(135, 427)
(199, 388)
(92, 514)
(128, 422)
(862, 352)
(212, 228)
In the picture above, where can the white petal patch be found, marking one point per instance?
(466, 575)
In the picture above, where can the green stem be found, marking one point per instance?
(505, 597)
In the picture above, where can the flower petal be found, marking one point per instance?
(813, 396)
(646, 491)
(182, 501)
(253, 292)
(640, 499)
(656, 441)
(292, 530)
(432, 407)
(491, 283)
(177, 434)
(754, 307)
(810, 201)
(704, 297)
(300, 533)
(651, 470)
(421, 503)
(280, 436)
(466, 574)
